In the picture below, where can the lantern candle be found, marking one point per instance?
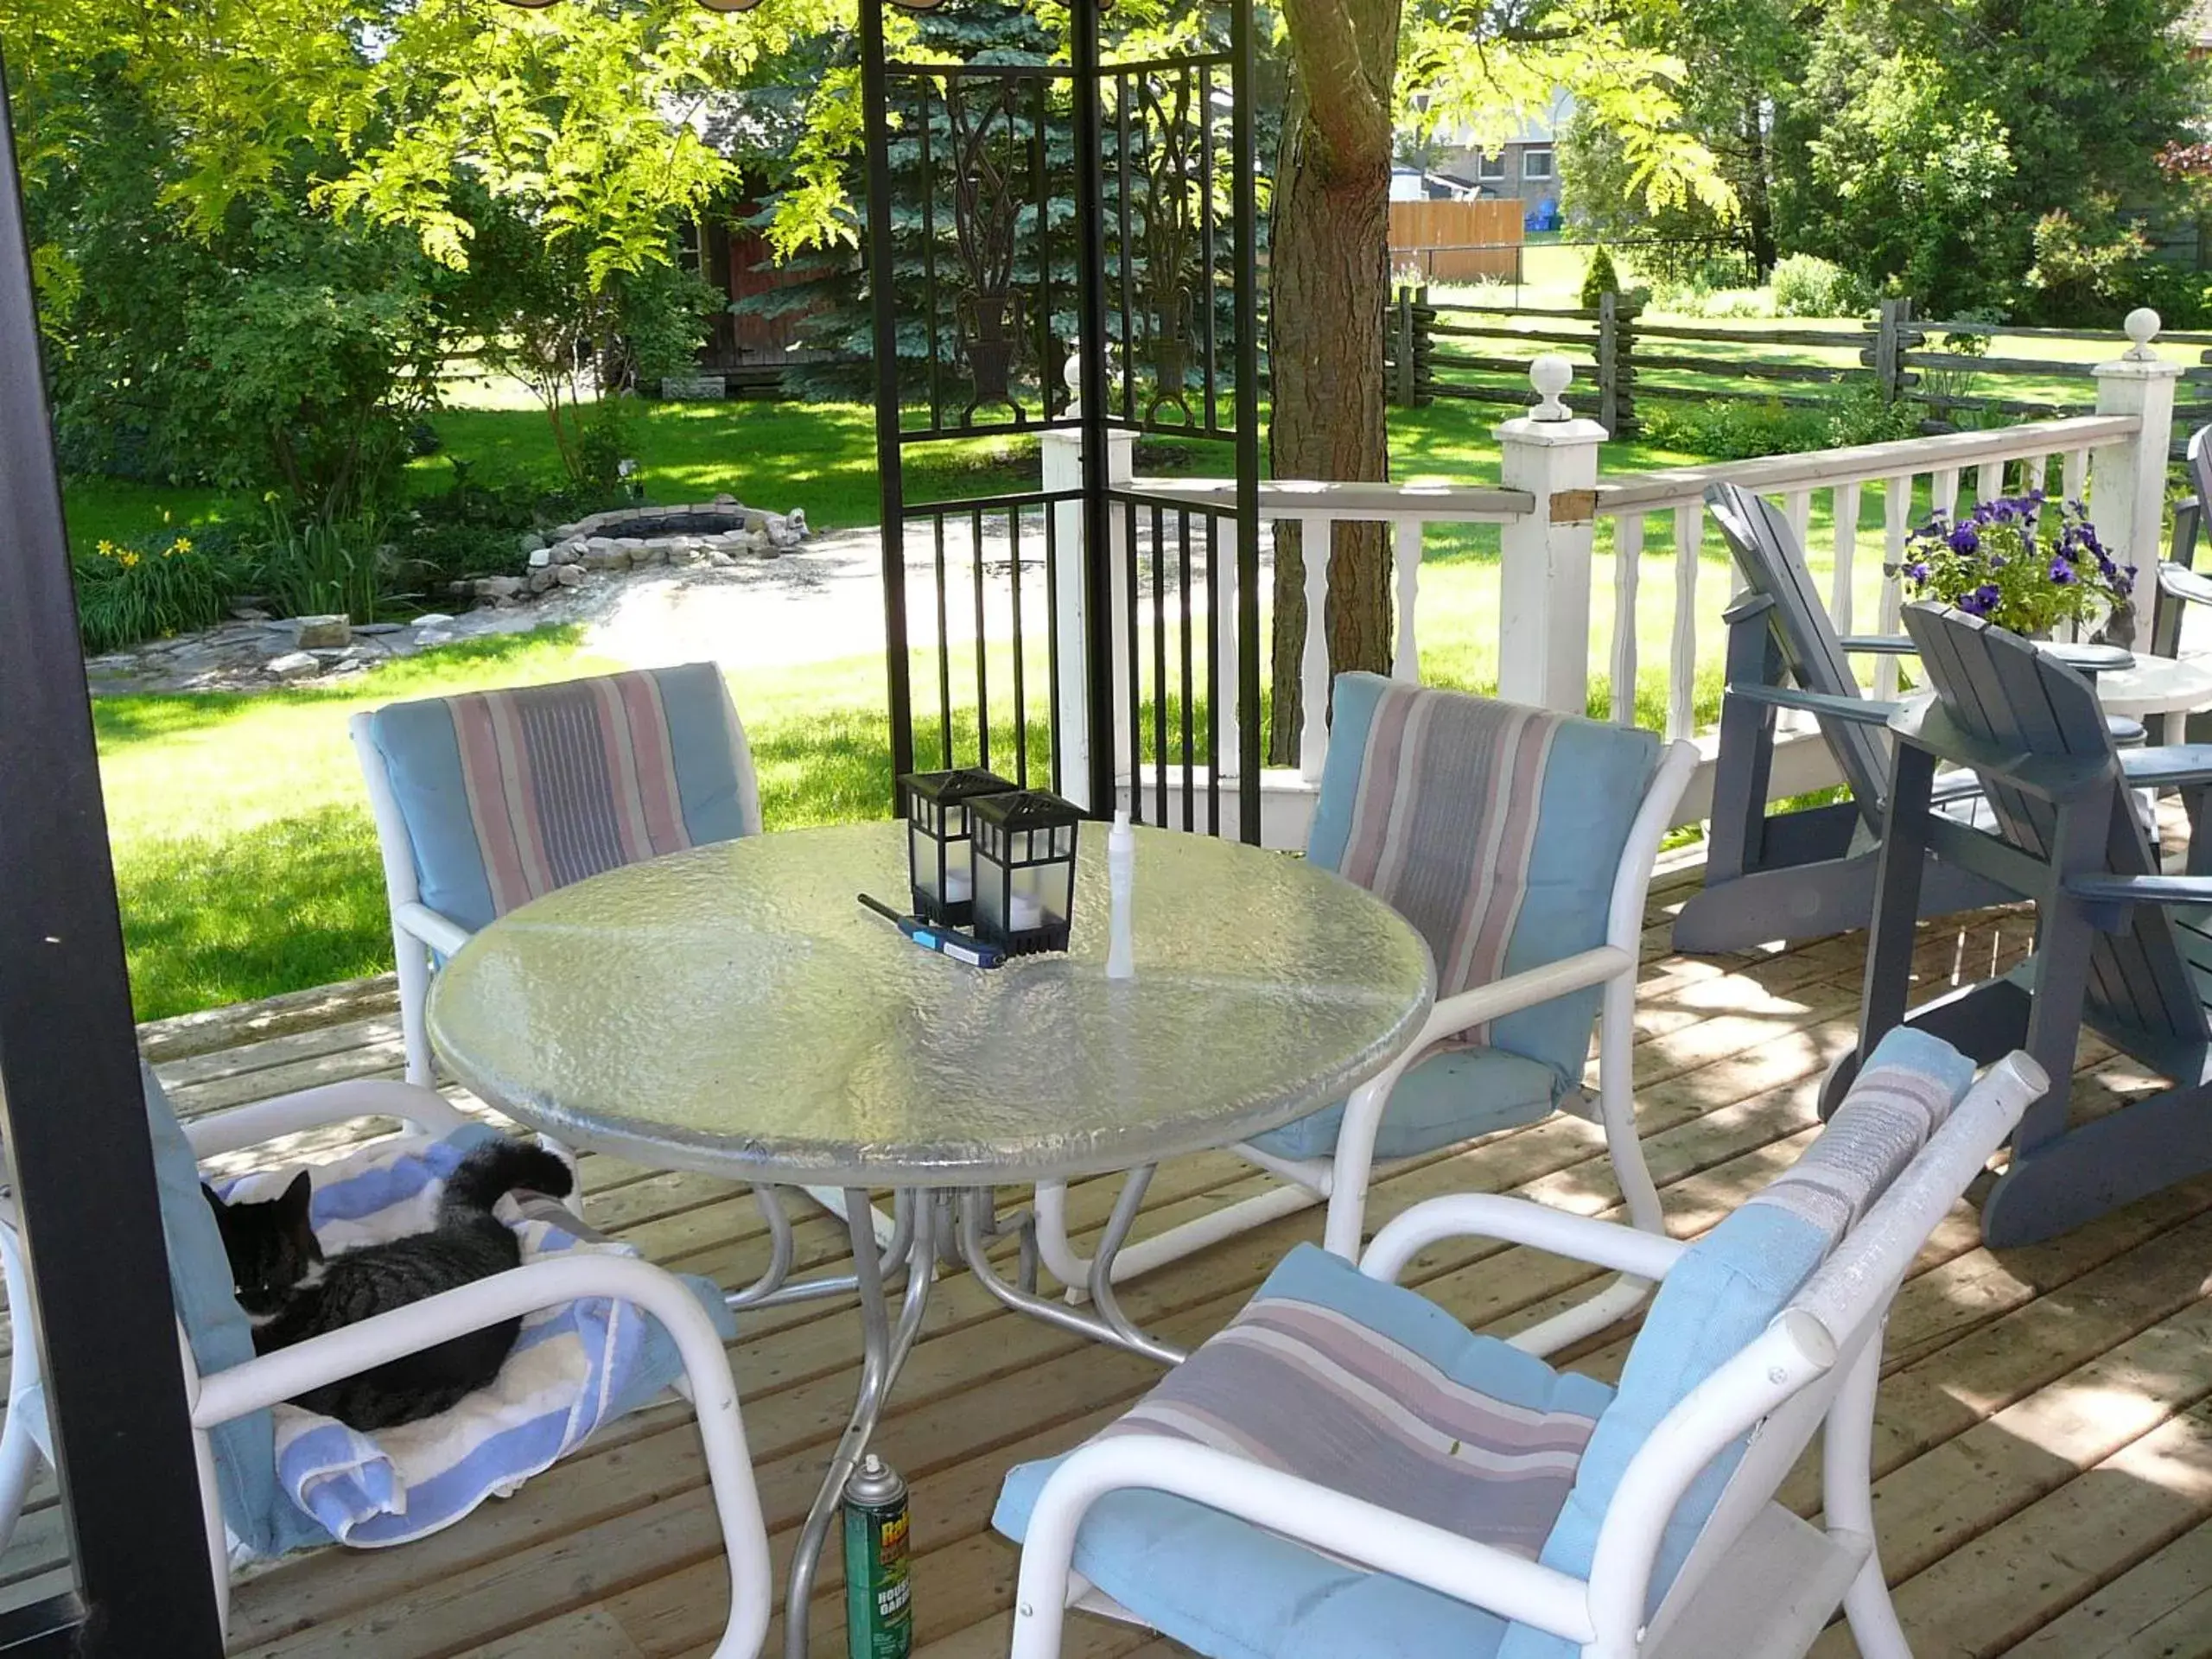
(940, 856)
(1024, 854)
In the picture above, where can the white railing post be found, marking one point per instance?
(2127, 481)
(1543, 647)
(1061, 468)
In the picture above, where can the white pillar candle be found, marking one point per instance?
(1029, 913)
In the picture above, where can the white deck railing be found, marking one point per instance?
(1553, 497)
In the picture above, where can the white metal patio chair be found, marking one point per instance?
(487, 800)
(1520, 843)
(1346, 1472)
(248, 1512)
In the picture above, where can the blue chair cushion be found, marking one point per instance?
(507, 795)
(1477, 1437)
(1449, 801)
(261, 1517)
(1454, 1095)
(1729, 1286)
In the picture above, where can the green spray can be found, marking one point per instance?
(879, 1605)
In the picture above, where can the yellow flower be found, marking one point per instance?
(108, 550)
(183, 544)
(127, 559)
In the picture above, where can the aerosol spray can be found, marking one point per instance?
(879, 1609)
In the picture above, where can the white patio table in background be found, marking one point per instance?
(734, 1010)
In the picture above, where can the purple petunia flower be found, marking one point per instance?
(1964, 540)
(2061, 572)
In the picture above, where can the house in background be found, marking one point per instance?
(1524, 168)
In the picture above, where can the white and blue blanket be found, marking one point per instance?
(573, 1368)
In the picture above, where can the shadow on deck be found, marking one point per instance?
(2045, 1440)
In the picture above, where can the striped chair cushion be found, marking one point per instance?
(1361, 1387)
(1731, 1284)
(1497, 830)
(508, 795)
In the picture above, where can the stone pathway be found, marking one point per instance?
(817, 603)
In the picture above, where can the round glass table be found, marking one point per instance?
(734, 1010)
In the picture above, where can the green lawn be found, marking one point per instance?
(243, 847)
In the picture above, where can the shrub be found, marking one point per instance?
(1600, 279)
(318, 567)
(1862, 415)
(1732, 431)
(153, 586)
(1808, 286)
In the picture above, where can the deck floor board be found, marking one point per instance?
(2044, 1442)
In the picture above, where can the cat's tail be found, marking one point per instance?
(498, 1167)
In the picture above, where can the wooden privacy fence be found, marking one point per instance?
(1457, 241)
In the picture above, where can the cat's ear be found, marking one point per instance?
(292, 1211)
(297, 1196)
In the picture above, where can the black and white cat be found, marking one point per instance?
(292, 1291)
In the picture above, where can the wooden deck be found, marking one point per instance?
(2045, 1436)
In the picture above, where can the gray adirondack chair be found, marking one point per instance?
(2120, 947)
(1807, 873)
(2180, 583)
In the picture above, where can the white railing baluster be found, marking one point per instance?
(1628, 562)
(1315, 542)
(2033, 470)
(1797, 509)
(1897, 514)
(1846, 503)
(1226, 669)
(2076, 474)
(1989, 480)
(1943, 492)
(1406, 553)
(1682, 657)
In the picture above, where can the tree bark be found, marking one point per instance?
(1329, 285)
(1754, 191)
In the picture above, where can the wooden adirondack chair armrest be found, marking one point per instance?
(2092, 659)
(1518, 1221)
(2190, 586)
(424, 1109)
(2175, 765)
(442, 933)
(1481, 1575)
(1865, 711)
(2109, 896)
(1879, 644)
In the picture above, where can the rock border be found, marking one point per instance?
(721, 532)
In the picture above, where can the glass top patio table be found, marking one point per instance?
(734, 1010)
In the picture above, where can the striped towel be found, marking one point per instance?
(573, 1368)
(1443, 825)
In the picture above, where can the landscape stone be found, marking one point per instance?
(249, 613)
(435, 636)
(432, 619)
(292, 665)
(540, 558)
(325, 632)
(570, 575)
(541, 579)
(371, 629)
(530, 542)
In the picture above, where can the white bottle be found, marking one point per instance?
(1121, 879)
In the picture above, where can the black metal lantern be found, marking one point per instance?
(1024, 870)
(939, 862)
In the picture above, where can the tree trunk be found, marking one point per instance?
(1329, 287)
(1754, 192)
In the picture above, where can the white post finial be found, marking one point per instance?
(2142, 326)
(1551, 374)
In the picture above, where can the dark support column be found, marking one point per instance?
(75, 1116)
(1245, 212)
(883, 292)
(1090, 391)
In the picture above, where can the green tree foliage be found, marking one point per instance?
(260, 225)
(1598, 279)
(1936, 139)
